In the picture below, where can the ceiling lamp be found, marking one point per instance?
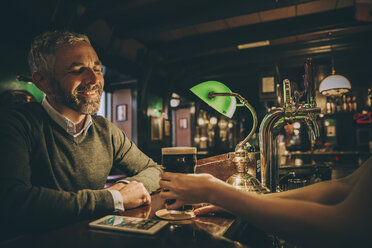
(334, 85)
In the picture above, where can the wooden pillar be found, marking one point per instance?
(143, 83)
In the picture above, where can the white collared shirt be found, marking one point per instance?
(64, 122)
(70, 128)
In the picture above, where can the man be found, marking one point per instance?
(336, 213)
(55, 156)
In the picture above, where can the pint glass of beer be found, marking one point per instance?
(179, 160)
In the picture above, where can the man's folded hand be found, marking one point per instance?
(134, 194)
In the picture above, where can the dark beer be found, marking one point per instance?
(179, 160)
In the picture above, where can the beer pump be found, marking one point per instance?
(221, 98)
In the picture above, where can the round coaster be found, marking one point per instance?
(174, 214)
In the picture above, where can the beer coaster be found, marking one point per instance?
(174, 214)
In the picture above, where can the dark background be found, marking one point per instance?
(183, 42)
(169, 46)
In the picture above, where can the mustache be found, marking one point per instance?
(89, 87)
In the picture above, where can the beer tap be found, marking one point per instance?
(272, 123)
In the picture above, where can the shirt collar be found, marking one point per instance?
(64, 122)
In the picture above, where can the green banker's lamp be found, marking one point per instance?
(222, 99)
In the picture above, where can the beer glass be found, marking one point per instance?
(179, 160)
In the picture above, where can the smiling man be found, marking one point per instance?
(55, 156)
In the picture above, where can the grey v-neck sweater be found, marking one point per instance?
(48, 176)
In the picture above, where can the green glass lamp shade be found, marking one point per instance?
(225, 105)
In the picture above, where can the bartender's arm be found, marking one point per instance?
(300, 220)
(327, 192)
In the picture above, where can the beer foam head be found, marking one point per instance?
(178, 150)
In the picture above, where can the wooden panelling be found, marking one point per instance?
(276, 14)
(243, 20)
(315, 7)
(183, 130)
(344, 3)
(211, 26)
(121, 97)
(182, 32)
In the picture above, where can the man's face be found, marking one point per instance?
(78, 80)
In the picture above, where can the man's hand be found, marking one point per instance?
(134, 194)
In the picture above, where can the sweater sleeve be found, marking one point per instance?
(138, 166)
(31, 203)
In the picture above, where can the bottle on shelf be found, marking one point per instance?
(349, 104)
(369, 98)
(338, 105)
(333, 106)
(328, 107)
(354, 103)
(344, 103)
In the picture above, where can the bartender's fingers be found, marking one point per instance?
(164, 184)
(177, 204)
(199, 205)
(207, 210)
(167, 195)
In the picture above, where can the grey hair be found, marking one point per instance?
(41, 56)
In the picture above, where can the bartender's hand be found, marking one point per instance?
(134, 194)
(207, 209)
(186, 188)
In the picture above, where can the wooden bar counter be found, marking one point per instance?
(206, 231)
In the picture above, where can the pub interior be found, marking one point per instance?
(154, 52)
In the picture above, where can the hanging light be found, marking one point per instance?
(334, 85)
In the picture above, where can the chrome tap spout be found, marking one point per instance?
(312, 125)
(270, 127)
(273, 121)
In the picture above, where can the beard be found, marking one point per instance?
(75, 101)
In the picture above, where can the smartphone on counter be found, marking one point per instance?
(129, 224)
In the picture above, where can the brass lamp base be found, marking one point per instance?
(246, 182)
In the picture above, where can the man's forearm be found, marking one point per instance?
(44, 206)
(138, 166)
(149, 177)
